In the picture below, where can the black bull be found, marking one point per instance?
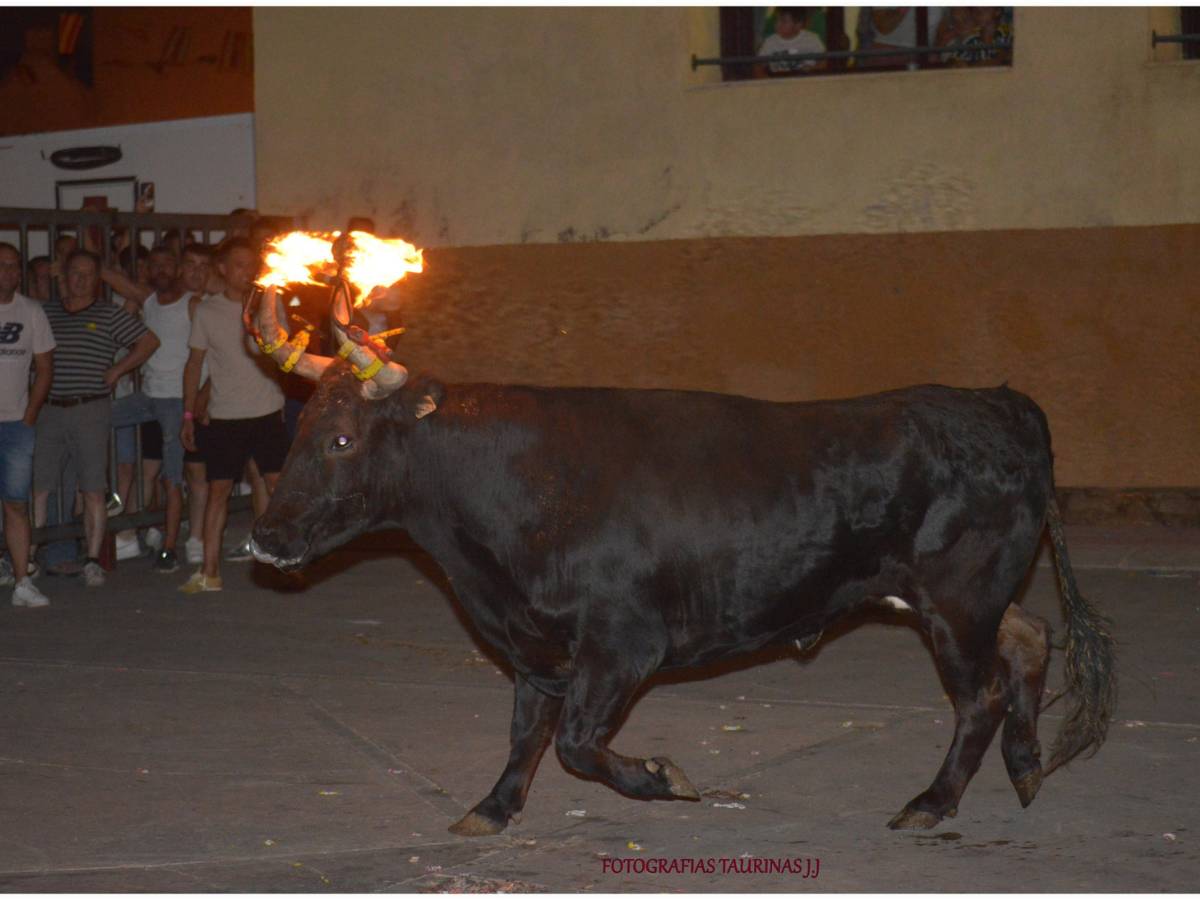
(596, 536)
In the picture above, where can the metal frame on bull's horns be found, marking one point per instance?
(260, 316)
(372, 364)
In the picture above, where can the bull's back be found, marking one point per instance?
(737, 520)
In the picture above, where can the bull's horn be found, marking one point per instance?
(379, 378)
(290, 357)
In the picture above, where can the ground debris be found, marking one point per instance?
(477, 884)
(321, 875)
(724, 794)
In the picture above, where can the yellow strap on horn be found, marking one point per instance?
(346, 349)
(301, 344)
(290, 363)
(369, 372)
(387, 334)
(268, 349)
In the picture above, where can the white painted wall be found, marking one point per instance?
(197, 165)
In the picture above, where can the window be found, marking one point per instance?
(787, 41)
(1189, 24)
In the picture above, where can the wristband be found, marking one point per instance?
(188, 415)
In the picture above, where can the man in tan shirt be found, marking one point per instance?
(245, 408)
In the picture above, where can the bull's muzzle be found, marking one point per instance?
(269, 547)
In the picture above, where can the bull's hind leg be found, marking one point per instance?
(611, 664)
(1024, 647)
(534, 717)
(970, 669)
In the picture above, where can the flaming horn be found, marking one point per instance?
(307, 257)
(260, 317)
(371, 361)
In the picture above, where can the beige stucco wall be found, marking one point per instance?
(599, 214)
(1101, 326)
(504, 126)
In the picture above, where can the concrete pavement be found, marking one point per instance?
(320, 736)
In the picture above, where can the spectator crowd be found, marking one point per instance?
(168, 357)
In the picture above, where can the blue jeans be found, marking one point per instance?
(16, 460)
(168, 412)
(127, 444)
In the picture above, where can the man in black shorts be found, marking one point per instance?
(245, 407)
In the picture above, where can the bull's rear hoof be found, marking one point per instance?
(475, 825)
(1028, 785)
(677, 782)
(914, 818)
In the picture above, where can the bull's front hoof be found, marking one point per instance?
(475, 825)
(1028, 785)
(677, 782)
(914, 818)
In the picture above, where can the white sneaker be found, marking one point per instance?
(128, 547)
(26, 594)
(6, 573)
(194, 548)
(93, 575)
(154, 539)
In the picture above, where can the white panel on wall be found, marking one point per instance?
(197, 165)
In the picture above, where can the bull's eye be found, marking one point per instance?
(341, 442)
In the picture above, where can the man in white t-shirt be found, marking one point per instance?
(790, 37)
(25, 340)
(167, 311)
(246, 405)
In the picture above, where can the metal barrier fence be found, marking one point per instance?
(107, 233)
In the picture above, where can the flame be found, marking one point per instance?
(296, 258)
(376, 263)
(372, 264)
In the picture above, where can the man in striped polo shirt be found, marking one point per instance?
(76, 420)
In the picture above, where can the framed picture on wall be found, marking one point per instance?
(97, 194)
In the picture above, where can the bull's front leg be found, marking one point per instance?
(612, 662)
(534, 717)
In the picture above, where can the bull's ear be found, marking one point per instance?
(425, 396)
(424, 406)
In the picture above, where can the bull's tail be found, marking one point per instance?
(1090, 670)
